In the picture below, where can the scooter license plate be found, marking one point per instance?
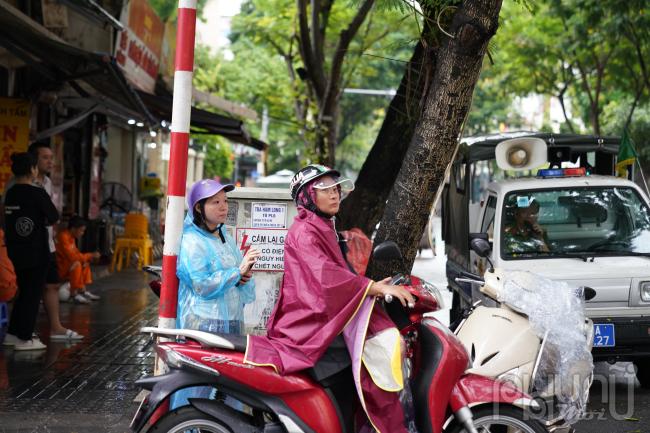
(604, 335)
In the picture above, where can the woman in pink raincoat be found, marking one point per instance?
(322, 298)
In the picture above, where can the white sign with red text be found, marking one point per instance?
(139, 46)
(269, 242)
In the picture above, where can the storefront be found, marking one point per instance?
(106, 116)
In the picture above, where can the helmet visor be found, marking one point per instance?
(345, 186)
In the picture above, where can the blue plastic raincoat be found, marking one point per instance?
(208, 272)
(208, 296)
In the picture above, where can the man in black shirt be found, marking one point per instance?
(28, 212)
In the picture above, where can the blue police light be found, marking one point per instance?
(550, 172)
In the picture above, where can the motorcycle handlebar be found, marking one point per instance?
(396, 281)
(156, 271)
(472, 276)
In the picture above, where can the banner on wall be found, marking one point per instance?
(139, 46)
(168, 51)
(14, 133)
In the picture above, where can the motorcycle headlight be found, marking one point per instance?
(645, 291)
(433, 291)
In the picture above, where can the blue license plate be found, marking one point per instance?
(604, 335)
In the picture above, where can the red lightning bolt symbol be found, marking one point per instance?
(244, 248)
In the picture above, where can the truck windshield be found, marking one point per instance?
(585, 222)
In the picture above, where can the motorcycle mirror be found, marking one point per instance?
(387, 250)
(481, 247)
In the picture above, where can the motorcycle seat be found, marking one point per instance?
(238, 341)
(207, 339)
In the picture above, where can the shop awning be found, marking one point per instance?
(59, 62)
(202, 121)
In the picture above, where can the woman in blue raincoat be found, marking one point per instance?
(214, 278)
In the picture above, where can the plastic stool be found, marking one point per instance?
(4, 314)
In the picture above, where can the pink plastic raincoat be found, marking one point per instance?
(321, 298)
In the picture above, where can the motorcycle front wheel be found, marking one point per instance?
(502, 419)
(188, 420)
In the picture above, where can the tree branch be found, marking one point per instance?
(585, 81)
(639, 86)
(275, 45)
(632, 37)
(316, 35)
(560, 97)
(315, 71)
(326, 8)
(333, 87)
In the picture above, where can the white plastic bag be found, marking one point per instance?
(556, 312)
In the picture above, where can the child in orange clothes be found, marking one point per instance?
(72, 264)
(8, 284)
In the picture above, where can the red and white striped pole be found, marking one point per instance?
(176, 180)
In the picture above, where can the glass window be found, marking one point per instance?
(584, 222)
(488, 218)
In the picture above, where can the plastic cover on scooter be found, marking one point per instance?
(556, 311)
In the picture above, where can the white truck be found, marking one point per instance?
(562, 223)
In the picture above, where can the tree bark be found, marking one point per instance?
(437, 132)
(365, 205)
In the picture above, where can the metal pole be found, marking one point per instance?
(645, 183)
(176, 180)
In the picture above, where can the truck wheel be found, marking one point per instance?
(643, 372)
(455, 312)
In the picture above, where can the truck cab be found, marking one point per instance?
(564, 224)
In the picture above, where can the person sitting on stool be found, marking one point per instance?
(72, 264)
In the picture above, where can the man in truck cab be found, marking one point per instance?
(523, 234)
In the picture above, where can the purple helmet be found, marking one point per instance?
(205, 188)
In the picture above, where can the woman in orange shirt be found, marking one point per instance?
(72, 264)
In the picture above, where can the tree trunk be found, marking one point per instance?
(326, 138)
(332, 134)
(365, 205)
(437, 132)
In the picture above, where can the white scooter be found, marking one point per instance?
(503, 343)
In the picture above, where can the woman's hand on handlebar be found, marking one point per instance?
(383, 288)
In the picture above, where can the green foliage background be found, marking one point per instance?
(258, 76)
(547, 46)
(553, 48)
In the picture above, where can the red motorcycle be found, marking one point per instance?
(445, 398)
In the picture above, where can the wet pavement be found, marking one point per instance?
(86, 386)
